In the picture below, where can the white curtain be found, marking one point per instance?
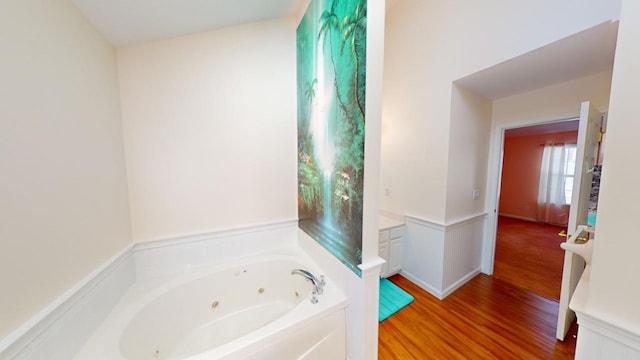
(552, 201)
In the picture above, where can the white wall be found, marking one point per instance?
(614, 292)
(468, 153)
(414, 133)
(64, 194)
(432, 43)
(562, 99)
(209, 123)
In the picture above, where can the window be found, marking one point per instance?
(557, 171)
(569, 171)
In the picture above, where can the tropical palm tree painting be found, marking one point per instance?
(331, 53)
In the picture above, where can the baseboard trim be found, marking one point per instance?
(524, 218)
(518, 217)
(423, 285)
(463, 280)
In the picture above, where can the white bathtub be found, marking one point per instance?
(251, 309)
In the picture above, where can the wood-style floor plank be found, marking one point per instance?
(485, 319)
(528, 255)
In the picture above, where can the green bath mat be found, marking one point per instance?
(392, 299)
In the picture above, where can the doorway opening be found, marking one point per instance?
(534, 203)
(557, 201)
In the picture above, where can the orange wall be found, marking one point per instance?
(521, 172)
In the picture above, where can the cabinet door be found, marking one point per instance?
(383, 252)
(395, 256)
(396, 232)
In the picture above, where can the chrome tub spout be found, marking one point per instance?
(318, 284)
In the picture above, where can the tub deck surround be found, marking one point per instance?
(61, 329)
(163, 257)
(362, 296)
(228, 310)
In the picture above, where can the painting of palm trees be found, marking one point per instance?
(331, 81)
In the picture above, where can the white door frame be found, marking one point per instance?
(494, 180)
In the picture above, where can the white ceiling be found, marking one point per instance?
(585, 53)
(128, 22)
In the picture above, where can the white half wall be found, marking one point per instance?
(599, 338)
(423, 254)
(614, 293)
(441, 258)
(601, 343)
(64, 206)
(209, 125)
(462, 252)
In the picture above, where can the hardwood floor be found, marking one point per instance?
(528, 255)
(485, 319)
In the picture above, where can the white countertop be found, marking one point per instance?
(387, 223)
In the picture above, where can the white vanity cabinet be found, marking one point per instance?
(390, 246)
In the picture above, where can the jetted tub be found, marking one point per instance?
(252, 309)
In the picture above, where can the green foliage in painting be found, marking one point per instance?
(331, 73)
(354, 30)
(309, 187)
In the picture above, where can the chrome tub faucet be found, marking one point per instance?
(318, 284)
